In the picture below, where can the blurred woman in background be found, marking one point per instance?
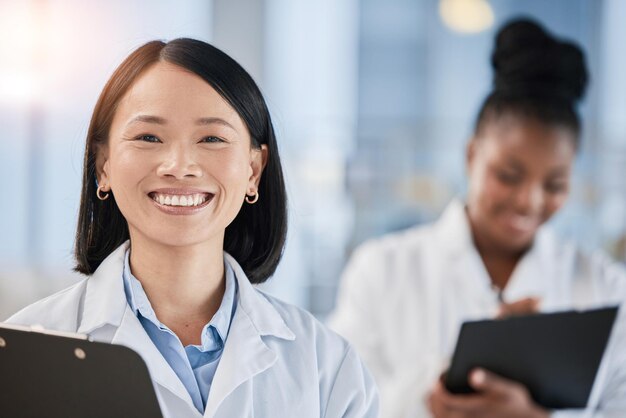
(403, 297)
(183, 209)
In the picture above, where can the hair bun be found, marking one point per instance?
(529, 62)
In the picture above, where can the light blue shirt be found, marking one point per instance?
(195, 365)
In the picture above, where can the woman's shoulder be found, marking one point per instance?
(328, 360)
(306, 328)
(569, 251)
(584, 266)
(59, 311)
(407, 240)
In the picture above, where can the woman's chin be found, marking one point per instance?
(176, 237)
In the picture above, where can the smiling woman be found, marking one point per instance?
(183, 208)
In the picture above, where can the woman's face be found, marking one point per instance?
(519, 176)
(179, 159)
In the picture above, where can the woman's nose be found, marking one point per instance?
(529, 198)
(179, 162)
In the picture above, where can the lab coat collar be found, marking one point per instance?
(531, 273)
(105, 300)
(264, 317)
(453, 230)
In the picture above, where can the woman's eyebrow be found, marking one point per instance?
(559, 171)
(147, 119)
(162, 121)
(214, 120)
(514, 163)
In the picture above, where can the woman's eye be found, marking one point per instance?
(555, 187)
(508, 178)
(148, 138)
(211, 139)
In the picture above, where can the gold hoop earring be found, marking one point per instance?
(99, 194)
(252, 200)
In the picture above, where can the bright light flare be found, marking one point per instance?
(466, 16)
(18, 87)
(22, 46)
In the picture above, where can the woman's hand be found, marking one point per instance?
(524, 306)
(496, 397)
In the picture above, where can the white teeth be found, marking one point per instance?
(177, 200)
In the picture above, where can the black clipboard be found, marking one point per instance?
(61, 375)
(556, 355)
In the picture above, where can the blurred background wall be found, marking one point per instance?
(373, 102)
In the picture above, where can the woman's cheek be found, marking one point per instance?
(555, 203)
(495, 189)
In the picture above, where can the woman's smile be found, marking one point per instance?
(180, 201)
(521, 224)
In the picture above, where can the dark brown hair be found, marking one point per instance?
(256, 236)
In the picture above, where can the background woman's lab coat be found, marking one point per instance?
(278, 361)
(403, 298)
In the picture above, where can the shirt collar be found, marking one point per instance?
(140, 304)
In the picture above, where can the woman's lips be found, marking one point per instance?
(521, 223)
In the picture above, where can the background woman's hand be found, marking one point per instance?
(496, 397)
(524, 306)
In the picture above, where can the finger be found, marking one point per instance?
(491, 384)
(435, 404)
(521, 307)
(459, 403)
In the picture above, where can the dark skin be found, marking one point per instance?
(497, 397)
(519, 176)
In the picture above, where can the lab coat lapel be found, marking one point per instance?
(131, 334)
(467, 292)
(245, 353)
(535, 271)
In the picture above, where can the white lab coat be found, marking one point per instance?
(278, 361)
(403, 298)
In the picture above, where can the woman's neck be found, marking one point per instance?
(499, 262)
(185, 285)
(499, 267)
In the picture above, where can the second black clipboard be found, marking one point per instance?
(555, 355)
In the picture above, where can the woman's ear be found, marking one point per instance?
(470, 153)
(258, 161)
(102, 166)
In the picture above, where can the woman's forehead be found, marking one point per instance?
(173, 93)
(528, 134)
